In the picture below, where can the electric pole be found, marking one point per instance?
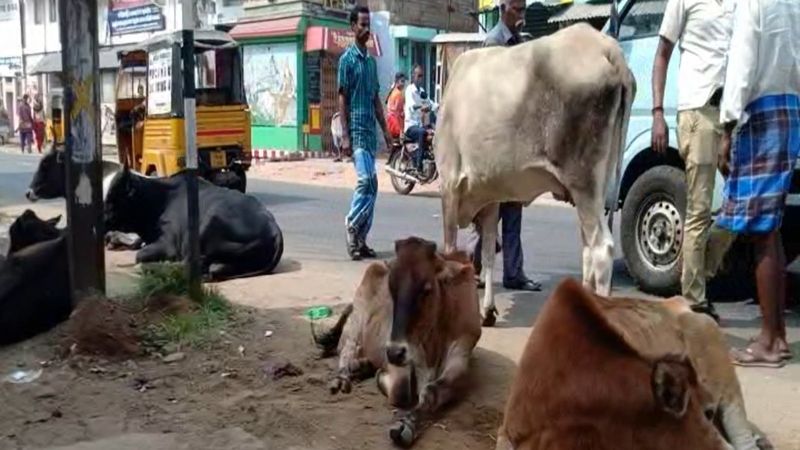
(83, 158)
(190, 132)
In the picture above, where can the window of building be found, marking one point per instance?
(38, 12)
(642, 20)
(53, 13)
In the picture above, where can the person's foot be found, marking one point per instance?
(757, 355)
(365, 251)
(781, 346)
(337, 160)
(523, 284)
(708, 309)
(353, 244)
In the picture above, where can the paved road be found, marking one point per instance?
(313, 220)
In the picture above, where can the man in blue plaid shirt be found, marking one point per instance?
(359, 108)
(761, 102)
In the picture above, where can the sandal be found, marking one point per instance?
(785, 354)
(747, 357)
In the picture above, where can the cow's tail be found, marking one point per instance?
(328, 341)
(627, 93)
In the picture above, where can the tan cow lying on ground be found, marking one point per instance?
(613, 373)
(415, 320)
(549, 115)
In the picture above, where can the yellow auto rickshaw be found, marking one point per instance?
(149, 108)
(54, 123)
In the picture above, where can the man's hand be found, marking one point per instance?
(660, 138)
(346, 147)
(388, 137)
(724, 156)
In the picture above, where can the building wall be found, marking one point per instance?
(428, 13)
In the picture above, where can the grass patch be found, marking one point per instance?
(213, 311)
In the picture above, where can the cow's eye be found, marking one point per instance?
(709, 413)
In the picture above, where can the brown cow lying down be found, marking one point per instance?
(614, 373)
(415, 320)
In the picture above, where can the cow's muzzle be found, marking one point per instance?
(397, 354)
(31, 196)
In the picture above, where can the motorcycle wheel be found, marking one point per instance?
(400, 161)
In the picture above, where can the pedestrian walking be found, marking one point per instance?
(702, 30)
(507, 33)
(38, 121)
(360, 107)
(25, 115)
(761, 118)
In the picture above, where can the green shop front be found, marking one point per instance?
(290, 67)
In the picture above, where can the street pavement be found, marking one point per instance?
(316, 269)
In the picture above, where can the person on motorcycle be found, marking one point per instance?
(395, 106)
(416, 105)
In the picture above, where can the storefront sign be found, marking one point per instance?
(159, 82)
(9, 10)
(486, 4)
(135, 20)
(124, 4)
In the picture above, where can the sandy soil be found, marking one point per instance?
(217, 387)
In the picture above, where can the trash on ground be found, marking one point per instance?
(23, 376)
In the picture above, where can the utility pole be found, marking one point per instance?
(83, 161)
(190, 133)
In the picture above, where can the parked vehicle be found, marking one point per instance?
(651, 191)
(400, 166)
(149, 108)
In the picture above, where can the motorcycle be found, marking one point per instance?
(402, 170)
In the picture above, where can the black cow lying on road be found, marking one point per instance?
(34, 280)
(238, 236)
(29, 229)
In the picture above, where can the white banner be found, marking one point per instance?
(9, 10)
(159, 82)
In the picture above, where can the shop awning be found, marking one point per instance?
(266, 28)
(336, 40)
(51, 62)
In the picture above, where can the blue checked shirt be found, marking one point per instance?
(358, 81)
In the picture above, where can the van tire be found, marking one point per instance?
(656, 198)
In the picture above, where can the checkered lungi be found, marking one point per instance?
(763, 156)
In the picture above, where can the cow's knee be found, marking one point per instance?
(603, 267)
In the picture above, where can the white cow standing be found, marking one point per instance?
(549, 115)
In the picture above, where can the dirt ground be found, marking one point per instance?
(219, 387)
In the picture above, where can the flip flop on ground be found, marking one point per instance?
(753, 356)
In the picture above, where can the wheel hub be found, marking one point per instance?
(660, 234)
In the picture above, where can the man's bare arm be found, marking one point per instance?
(344, 118)
(660, 139)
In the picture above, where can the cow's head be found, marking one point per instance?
(120, 204)
(29, 229)
(414, 289)
(49, 180)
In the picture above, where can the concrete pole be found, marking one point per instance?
(193, 269)
(83, 158)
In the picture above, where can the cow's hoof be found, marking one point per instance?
(402, 433)
(489, 317)
(340, 384)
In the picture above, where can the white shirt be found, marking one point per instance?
(704, 29)
(413, 116)
(764, 56)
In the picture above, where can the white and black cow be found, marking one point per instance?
(34, 280)
(50, 179)
(238, 236)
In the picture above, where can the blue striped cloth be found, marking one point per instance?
(763, 156)
(358, 81)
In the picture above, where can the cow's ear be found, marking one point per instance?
(54, 221)
(672, 383)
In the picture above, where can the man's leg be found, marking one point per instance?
(766, 349)
(361, 209)
(513, 272)
(418, 134)
(699, 136)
